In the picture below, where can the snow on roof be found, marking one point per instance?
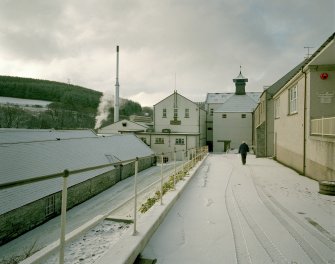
(14, 135)
(240, 103)
(218, 98)
(32, 159)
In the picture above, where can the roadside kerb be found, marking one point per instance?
(127, 250)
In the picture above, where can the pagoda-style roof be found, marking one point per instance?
(240, 77)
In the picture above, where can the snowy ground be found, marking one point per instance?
(101, 204)
(92, 245)
(229, 213)
(259, 213)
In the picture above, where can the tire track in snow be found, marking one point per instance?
(274, 253)
(307, 248)
(327, 239)
(241, 249)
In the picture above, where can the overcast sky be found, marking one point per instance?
(194, 46)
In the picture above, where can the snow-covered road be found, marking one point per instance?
(259, 213)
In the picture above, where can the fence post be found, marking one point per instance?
(194, 153)
(174, 174)
(135, 195)
(63, 218)
(183, 161)
(162, 178)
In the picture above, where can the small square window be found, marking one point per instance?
(243, 115)
(180, 141)
(187, 113)
(159, 141)
(124, 124)
(224, 115)
(175, 113)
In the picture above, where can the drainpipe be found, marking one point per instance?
(266, 123)
(305, 110)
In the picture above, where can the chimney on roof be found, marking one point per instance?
(240, 81)
(117, 85)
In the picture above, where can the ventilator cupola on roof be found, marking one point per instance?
(240, 81)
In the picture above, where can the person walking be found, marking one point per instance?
(243, 150)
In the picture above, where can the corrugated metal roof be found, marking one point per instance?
(28, 160)
(12, 135)
(240, 103)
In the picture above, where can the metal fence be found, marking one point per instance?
(323, 126)
(189, 160)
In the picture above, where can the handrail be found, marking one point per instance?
(71, 172)
(194, 157)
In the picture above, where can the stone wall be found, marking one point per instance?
(260, 141)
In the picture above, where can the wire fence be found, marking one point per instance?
(144, 196)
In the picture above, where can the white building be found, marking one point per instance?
(179, 124)
(229, 117)
(123, 126)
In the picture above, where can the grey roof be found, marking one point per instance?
(13, 135)
(239, 103)
(217, 98)
(283, 80)
(20, 161)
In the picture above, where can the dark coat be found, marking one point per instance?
(243, 149)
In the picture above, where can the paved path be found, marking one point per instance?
(262, 212)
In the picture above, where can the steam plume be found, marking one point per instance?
(106, 102)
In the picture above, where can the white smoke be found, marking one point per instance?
(106, 102)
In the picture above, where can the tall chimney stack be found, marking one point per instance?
(117, 85)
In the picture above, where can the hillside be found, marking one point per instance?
(71, 97)
(73, 106)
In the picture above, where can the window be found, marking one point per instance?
(180, 141)
(175, 113)
(159, 141)
(277, 107)
(211, 112)
(209, 128)
(224, 115)
(144, 139)
(164, 112)
(50, 205)
(293, 96)
(187, 113)
(243, 116)
(124, 124)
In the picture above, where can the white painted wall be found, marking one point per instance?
(289, 129)
(234, 128)
(187, 125)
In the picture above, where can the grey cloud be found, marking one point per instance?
(204, 42)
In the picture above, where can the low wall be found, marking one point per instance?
(27, 217)
(320, 157)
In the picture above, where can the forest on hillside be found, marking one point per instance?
(72, 106)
